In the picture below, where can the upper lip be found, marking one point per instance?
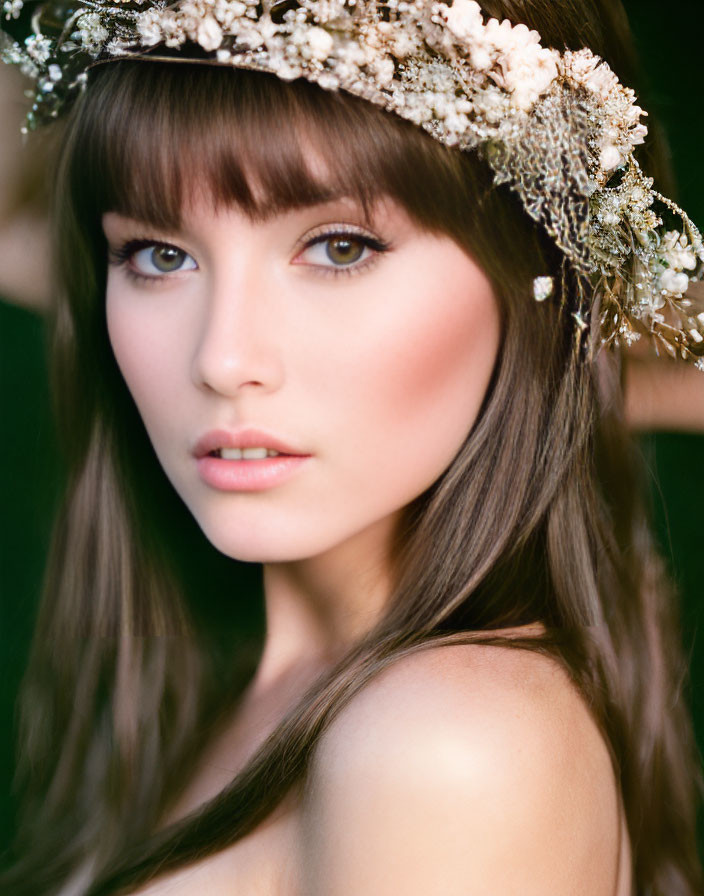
(244, 437)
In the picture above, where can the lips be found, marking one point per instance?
(243, 438)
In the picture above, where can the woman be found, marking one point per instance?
(469, 677)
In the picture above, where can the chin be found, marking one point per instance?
(251, 545)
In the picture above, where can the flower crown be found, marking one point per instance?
(558, 128)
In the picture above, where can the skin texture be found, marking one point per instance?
(379, 376)
(464, 770)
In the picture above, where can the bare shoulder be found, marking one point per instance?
(460, 766)
(491, 702)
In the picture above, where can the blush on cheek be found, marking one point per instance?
(442, 363)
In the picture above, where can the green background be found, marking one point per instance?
(671, 47)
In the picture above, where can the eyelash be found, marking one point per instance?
(370, 242)
(122, 255)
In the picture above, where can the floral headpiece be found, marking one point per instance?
(558, 128)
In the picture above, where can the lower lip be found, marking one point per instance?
(249, 475)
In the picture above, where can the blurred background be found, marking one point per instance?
(667, 407)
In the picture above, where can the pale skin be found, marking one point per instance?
(460, 767)
(260, 333)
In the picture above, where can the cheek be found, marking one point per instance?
(146, 349)
(419, 384)
(439, 377)
(440, 368)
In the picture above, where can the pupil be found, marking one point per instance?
(344, 250)
(167, 258)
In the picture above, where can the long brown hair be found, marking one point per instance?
(537, 518)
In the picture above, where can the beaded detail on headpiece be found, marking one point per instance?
(558, 128)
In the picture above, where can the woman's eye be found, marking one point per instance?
(154, 260)
(341, 252)
(147, 260)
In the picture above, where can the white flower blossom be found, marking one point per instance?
(579, 65)
(592, 73)
(506, 37)
(328, 81)
(320, 43)
(543, 288)
(92, 31)
(481, 57)
(402, 44)
(148, 27)
(528, 73)
(637, 134)
(209, 33)
(491, 104)
(610, 157)
(384, 71)
(250, 36)
(228, 11)
(674, 282)
(464, 19)
(39, 48)
(677, 252)
(12, 8)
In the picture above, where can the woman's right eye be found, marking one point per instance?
(150, 260)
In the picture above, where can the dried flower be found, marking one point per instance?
(676, 251)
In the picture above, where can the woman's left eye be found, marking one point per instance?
(342, 252)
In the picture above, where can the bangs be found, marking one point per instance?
(151, 136)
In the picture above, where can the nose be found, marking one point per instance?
(237, 343)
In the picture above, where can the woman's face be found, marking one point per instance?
(364, 345)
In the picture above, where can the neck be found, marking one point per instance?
(318, 607)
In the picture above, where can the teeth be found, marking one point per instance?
(246, 453)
